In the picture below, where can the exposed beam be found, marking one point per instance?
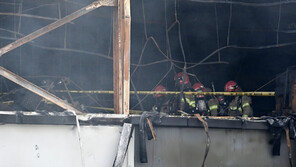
(55, 25)
(121, 56)
(37, 90)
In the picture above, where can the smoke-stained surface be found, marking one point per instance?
(78, 50)
(82, 49)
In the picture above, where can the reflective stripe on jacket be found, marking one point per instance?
(213, 107)
(191, 103)
(246, 104)
(235, 108)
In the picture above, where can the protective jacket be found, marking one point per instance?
(187, 103)
(213, 106)
(240, 107)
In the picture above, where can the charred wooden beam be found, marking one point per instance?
(37, 90)
(56, 24)
(121, 56)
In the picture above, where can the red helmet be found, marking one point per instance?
(159, 88)
(198, 86)
(231, 86)
(220, 98)
(180, 77)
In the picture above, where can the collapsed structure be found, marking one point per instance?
(84, 138)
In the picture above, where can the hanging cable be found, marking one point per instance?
(270, 81)
(138, 98)
(206, 128)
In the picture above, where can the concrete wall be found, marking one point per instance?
(185, 147)
(58, 146)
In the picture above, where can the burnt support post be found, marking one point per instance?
(121, 56)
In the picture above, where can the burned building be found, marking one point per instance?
(85, 83)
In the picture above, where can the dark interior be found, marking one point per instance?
(251, 43)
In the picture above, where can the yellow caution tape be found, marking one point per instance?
(174, 93)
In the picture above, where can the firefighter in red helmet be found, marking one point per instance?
(217, 106)
(198, 87)
(239, 106)
(162, 100)
(185, 102)
(182, 79)
(159, 88)
(200, 101)
(222, 105)
(231, 86)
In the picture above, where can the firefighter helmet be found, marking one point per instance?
(159, 88)
(198, 86)
(231, 86)
(220, 98)
(180, 77)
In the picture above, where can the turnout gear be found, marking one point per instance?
(217, 106)
(161, 101)
(187, 103)
(246, 106)
(231, 86)
(189, 100)
(235, 107)
(200, 102)
(222, 105)
(239, 106)
(213, 106)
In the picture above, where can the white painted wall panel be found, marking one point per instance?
(57, 145)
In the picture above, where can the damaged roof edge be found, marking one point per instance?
(67, 118)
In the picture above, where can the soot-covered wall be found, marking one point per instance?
(256, 43)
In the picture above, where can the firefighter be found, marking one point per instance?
(186, 103)
(162, 100)
(182, 81)
(238, 106)
(213, 104)
(217, 106)
(222, 105)
(200, 101)
(246, 105)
